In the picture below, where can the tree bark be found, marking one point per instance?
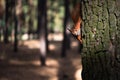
(17, 13)
(6, 21)
(101, 54)
(30, 22)
(42, 24)
(66, 37)
(15, 35)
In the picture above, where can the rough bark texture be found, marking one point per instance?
(101, 50)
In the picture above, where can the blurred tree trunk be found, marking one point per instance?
(30, 28)
(101, 50)
(39, 21)
(15, 29)
(42, 24)
(66, 37)
(2, 12)
(2, 8)
(6, 21)
(15, 35)
(17, 19)
(30, 22)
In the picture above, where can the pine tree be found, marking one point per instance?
(101, 45)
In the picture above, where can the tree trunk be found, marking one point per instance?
(2, 12)
(66, 37)
(17, 13)
(30, 22)
(15, 33)
(6, 21)
(101, 50)
(42, 24)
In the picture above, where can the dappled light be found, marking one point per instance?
(59, 40)
(27, 61)
(55, 37)
(35, 44)
(52, 47)
(18, 62)
(34, 41)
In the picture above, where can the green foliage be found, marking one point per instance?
(55, 15)
(30, 12)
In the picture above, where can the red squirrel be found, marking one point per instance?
(76, 29)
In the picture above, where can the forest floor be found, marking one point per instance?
(26, 65)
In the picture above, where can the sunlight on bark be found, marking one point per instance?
(42, 46)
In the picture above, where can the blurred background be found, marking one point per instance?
(34, 42)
